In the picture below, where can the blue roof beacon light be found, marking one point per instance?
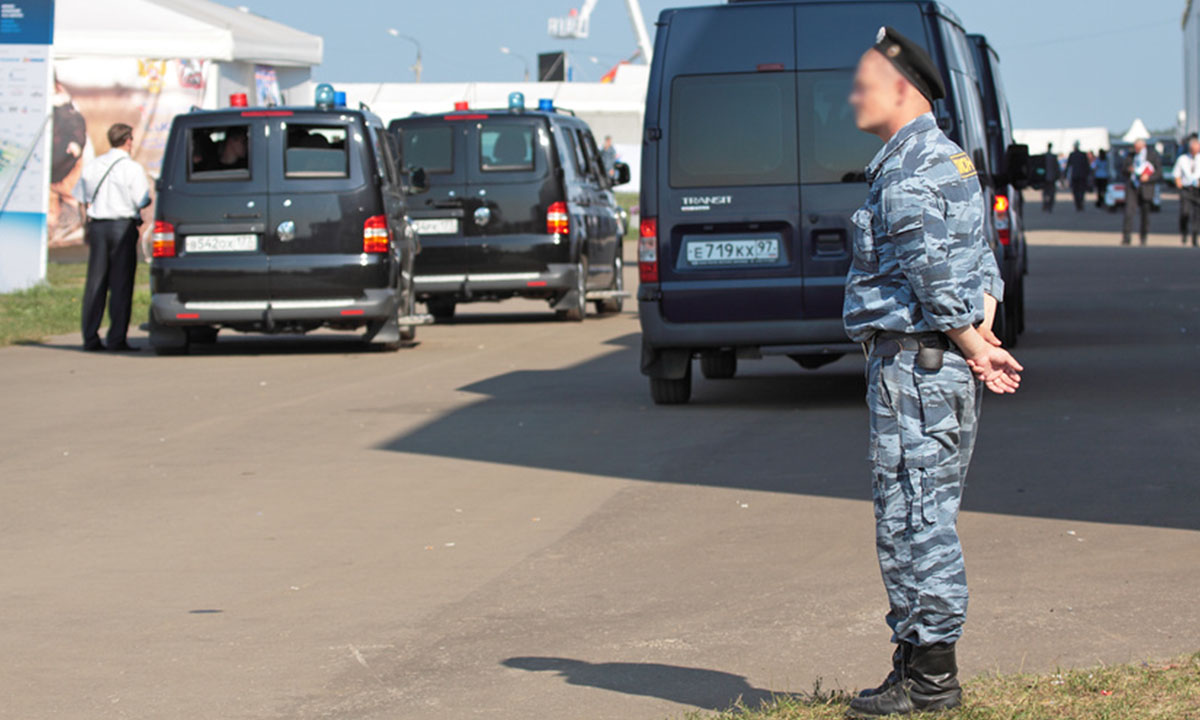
(325, 96)
(545, 105)
(516, 102)
(339, 98)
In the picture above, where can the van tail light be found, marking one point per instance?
(558, 221)
(1000, 209)
(648, 250)
(164, 239)
(376, 235)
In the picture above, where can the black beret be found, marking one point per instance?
(912, 61)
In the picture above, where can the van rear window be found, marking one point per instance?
(431, 148)
(734, 129)
(506, 147)
(832, 148)
(220, 153)
(316, 151)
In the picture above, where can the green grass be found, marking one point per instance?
(54, 307)
(1143, 691)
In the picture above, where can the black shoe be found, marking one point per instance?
(899, 656)
(93, 346)
(121, 347)
(929, 681)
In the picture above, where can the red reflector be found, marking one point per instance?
(648, 250)
(536, 283)
(769, 67)
(267, 113)
(163, 240)
(237, 100)
(558, 221)
(376, 234)
(462, 105)
(352, 312)
(466, 117)
(187, 316)
(1001, 204)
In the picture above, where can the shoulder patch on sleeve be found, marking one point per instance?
(963, 164)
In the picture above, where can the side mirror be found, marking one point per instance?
(622, 173)
(418, 181)
(1016, 165)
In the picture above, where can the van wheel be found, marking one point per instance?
(408, 333)
(441, 310)
(167, 340)
(578, 311)
(672, 391)
(202, 335)
(719, 365)
(616, 304)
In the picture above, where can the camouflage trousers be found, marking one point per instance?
(922, 434)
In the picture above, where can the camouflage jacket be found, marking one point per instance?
(921, 262)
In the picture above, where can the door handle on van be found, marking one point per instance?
(242, 216)
(447, 204)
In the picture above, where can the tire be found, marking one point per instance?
(578, 311)
(441, 310)
(720, 365)
(408, 333)
(672, 391)
(166, 340)
(1004, 326)
(614, 305)
(1021, 306)
(202, 335)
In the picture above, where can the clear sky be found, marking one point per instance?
(1065, 62)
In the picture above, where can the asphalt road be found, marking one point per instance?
(497, 523)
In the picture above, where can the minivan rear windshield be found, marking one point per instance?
(220, 153)
(316, 151)
(431, 148)
(506, 147)
(743, 129)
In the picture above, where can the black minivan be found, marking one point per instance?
(281, 219)
(520, 205)
(752, 167)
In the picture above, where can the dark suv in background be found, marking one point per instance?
(1009, 166)
(519, 205)
(752, 167)
(281, 220)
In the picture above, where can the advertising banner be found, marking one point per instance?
(26, 34)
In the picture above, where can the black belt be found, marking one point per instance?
(96, 220)
(888, 344)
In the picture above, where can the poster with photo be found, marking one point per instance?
(26, 33)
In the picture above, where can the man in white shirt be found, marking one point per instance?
(113, 191)
(1187, 179)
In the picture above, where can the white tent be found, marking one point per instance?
(188, 29)
(1137, 131)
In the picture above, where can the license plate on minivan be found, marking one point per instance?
(435, 226)
(733, 252)
(220, 243)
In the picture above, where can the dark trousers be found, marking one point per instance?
(1048, 196)
(1189, 213)
(1136, 201)
(1078, 189)
(1101, 188)
(112, 262)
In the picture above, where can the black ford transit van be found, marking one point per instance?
(520, 205)
(751, 168)
(281, 220)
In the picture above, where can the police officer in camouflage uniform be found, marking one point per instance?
(920, 296)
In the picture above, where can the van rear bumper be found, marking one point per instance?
(372, 304)
(798, 335)
(556, 276)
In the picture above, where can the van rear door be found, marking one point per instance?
(323, 189)
(215, 196)
(437, 145)
(730, 246)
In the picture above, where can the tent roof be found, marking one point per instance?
(163, 29)
(1137, 131)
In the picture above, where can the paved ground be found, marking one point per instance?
(498, 524)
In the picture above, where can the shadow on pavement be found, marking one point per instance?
(1104, 428)
(1094, 219)
(704, 689)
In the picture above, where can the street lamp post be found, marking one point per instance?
(524, 61)
(416, 68)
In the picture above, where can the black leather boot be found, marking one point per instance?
(899, 656)
(929, 681)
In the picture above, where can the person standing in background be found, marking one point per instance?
(1051, 184)
(1187, 179)
(1100, 172)
(112, 190)
(608, 155)
(1143, 168)
(1078, 169)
